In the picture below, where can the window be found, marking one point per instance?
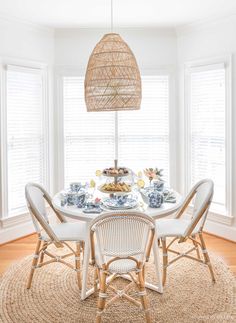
(89, 138)
(144, 134)
(25, 134)
(207, 129)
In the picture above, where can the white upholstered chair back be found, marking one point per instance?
(201, 195)
(122, 235)
(36, 196)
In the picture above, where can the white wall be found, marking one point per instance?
(205, 41)
(152, 48)
(25, 43)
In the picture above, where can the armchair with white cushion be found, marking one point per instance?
(183, 229)
(58, 234)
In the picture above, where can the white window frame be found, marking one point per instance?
(61, 72)
(21, 216)
(218, 216)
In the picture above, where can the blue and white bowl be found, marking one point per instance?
(72, 198)
(121, 199)
(158, 185)
(75, 186)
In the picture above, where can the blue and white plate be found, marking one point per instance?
(113, 204)
(92, 208)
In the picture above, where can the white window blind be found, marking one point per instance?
(89, 137)
(208, 129)
(144, 134)
(25, 133)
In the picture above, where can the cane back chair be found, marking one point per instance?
(188, 229)
(123, 244)
(58, 234)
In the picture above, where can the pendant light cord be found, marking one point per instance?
(111, 16)
(116, 112)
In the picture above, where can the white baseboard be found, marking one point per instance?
(16, 231)
(221, 230)
(221, 226)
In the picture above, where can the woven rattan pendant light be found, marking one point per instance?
(112, 80)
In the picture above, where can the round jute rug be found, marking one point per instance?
(189, 296)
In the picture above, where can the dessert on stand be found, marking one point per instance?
(119, 189)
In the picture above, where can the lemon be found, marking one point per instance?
(98, 173)
(140, 183)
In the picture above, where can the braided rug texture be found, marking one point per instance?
(189, 296)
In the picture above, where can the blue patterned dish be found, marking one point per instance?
(92, 208)
(117, 204)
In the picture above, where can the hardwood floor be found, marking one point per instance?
(15, 250)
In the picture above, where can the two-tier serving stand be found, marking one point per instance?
(116, 177)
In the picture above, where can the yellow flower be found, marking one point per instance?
(92, 183)
(98, 173)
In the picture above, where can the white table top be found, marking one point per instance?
(76, 213)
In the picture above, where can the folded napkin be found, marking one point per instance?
(92, 208)
(169, 196)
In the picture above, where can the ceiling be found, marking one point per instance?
(127, 13)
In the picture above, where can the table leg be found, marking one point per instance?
(159, 287)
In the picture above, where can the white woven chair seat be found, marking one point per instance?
(68, 231)
(121, 266)
(171, 227)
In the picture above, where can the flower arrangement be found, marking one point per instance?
(153, 173)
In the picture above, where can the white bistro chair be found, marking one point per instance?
(187, 229)
(58, 234)
(123, 244)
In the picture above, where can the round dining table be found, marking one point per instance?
(75, 213)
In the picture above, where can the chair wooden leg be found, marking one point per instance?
(102, 296)
(206, 256)
(165, 260)
(77, 264)
(41, 258)
(144, 273)
(196, 246)
(95, 284)
(143, 296)
(34, 263)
